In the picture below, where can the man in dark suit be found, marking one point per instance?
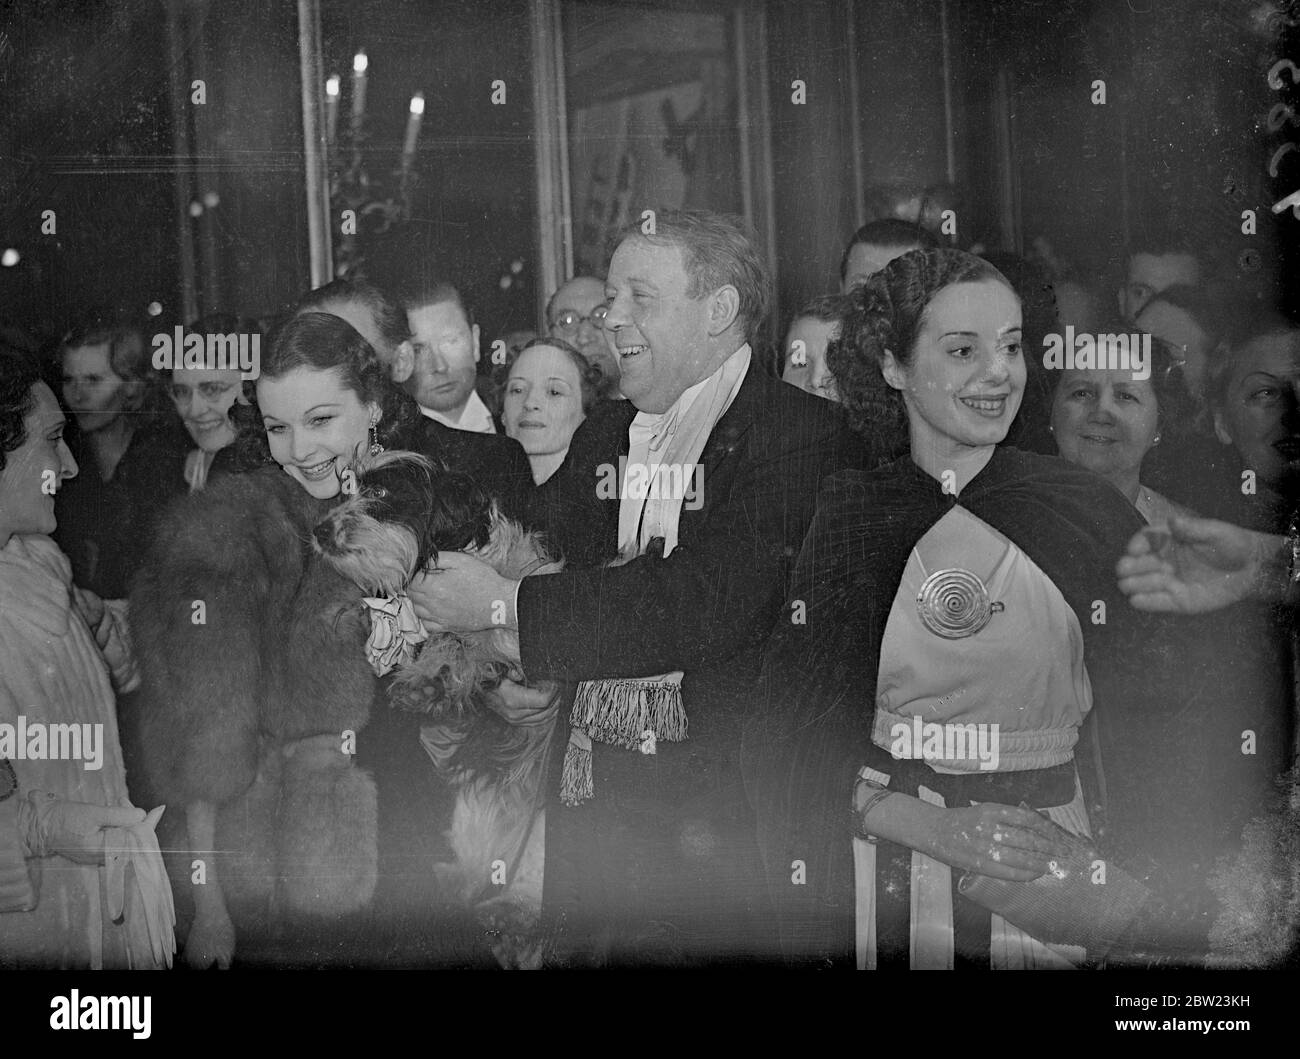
(713, 468)
(495, 461)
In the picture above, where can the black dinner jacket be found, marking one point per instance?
(497, 462)
(707, 608)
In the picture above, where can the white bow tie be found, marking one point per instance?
(659, 429)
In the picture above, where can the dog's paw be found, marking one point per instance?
(211, 941)
(514, 933)
(419, 691)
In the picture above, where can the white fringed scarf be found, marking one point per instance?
(636, 713)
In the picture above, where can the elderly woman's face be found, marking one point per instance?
(967, 376)
(1105, 421)
(315, 425)
(543, 401)
(1260, 415)
(94, 392)
(35, 470)
(203, 400)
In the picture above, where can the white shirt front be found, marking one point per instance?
(474, 417)
(650, 435)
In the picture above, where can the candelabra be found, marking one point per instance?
(364, 206)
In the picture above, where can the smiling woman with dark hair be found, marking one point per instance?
(322, 345)
(952, 587)
(496, 462)
(326, 813)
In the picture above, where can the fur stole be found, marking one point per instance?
(254, 685)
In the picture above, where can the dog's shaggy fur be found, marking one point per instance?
(402, 513)
(251, 644)
(251, 651)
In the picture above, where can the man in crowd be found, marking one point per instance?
(1153, 266)
(446, 359)
(575, 313)
(651, 854)
(875, 245)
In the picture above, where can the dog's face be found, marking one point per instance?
(402, 511)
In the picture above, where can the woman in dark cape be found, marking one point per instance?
(860, 660)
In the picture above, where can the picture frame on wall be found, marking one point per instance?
(644, 108)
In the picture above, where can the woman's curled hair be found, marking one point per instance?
(887, 314)
(325, 342)
(19, 375)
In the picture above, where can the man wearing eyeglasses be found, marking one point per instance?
(575, 313)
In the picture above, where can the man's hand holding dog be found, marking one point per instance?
(463, 594)
(523, 705)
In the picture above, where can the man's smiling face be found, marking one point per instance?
(659, 332)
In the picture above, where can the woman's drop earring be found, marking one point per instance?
(375, 447)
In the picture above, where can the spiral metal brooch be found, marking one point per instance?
(955, 604)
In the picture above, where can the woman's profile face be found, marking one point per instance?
(203, 400)
(1260, 416)
(543, 401)
(35, 470)
(1105, 421)
(967, 375)
(315, 425)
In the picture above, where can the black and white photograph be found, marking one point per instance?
(750, 486)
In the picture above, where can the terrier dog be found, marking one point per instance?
(401, 512)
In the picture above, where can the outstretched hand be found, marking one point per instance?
(1197, 565)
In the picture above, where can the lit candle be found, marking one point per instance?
(412, 130)
(359, 64)
(332, 108)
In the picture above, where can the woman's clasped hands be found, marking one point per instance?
(1001, 841)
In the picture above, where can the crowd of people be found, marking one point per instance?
(903, 645)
